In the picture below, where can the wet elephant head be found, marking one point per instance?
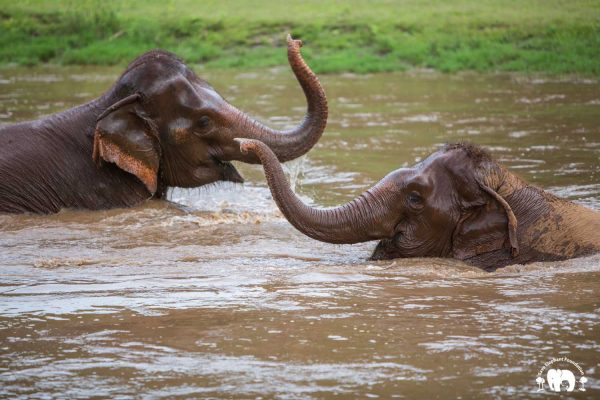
(168, 127)
(441, 207)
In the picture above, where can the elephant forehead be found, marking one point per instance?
(449, 167)
(175, 90)
(429, 170)
(434, 160)
(426, 169)
(209, 96)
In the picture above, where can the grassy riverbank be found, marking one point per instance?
(548, 36)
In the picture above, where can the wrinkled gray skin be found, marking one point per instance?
(160, 125)
(457, 203)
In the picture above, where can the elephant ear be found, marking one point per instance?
(128, 139)
(486, 227)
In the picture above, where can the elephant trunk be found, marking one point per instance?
(293, 143)
(364, 218)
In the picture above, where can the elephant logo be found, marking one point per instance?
(560, 380)
(556, 378)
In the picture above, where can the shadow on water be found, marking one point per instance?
(213, 294)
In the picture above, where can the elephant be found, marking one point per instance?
(457, 203)
(556, 377)
(158, 126)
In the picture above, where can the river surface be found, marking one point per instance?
(215, 295)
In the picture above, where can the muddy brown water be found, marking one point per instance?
(222, 298)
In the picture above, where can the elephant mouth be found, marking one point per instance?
(230, 174)
(210, 173)
(386, 249)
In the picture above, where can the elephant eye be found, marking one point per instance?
(415, 199)
(203, 122)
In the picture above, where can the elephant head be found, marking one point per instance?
(168, 127)
(444, 206)
(556, 377)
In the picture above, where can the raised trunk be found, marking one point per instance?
(293, 143)
(364, 218)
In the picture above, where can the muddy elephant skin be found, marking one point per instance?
(160, 125)
(457, 203)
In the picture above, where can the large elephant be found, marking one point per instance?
(457, 203)
(159, 125)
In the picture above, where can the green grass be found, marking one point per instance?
(548, 36)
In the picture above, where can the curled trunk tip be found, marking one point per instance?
(291, 42)
(246, 145)
(292, 143)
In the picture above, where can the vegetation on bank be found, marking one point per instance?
(550, 36)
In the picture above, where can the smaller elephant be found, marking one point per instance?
(556, 377)
(457, 203)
